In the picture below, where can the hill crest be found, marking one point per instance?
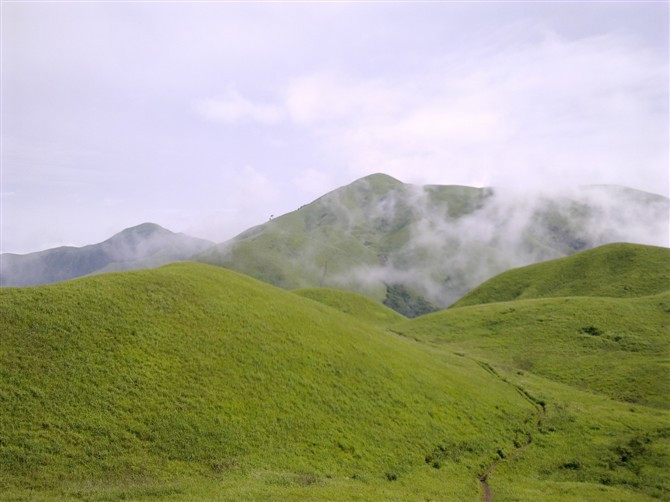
(619, 270)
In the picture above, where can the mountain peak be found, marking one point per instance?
(145, 230)
(378, 180)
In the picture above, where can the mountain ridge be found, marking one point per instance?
(141, 246)
(378, 236)
(415, 248)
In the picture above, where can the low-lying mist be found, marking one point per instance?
(444, 257)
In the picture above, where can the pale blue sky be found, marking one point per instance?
(208, 117)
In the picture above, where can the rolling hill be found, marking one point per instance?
(597, 357)
(606, 311)
(615, 270)
(418, 248)
(191, 381)
(354, 304)
(143, 246)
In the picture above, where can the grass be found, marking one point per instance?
(614, 270)
(617, 347)
(193, 381)
(354, 304)
(599, 366)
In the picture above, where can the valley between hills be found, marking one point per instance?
(385, 342)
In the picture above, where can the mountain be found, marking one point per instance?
(143, 246)
(419, 248)
(194, 382)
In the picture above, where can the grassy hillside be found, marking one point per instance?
(143, 246)
(418, 248)
(616, 347)
(354, 304)
(191, 381)
(598, 364)
(614, 270)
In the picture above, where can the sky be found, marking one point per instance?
(208, 118)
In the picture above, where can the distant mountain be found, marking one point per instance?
(418, 248)
(143, 246)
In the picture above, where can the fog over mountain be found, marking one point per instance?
(384, 238)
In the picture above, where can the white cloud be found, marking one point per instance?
(328, 97)
(592, 110)
(233, 108)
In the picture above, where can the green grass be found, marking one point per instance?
(588, 447)
(606, 431)
(354, 304)
(614, 270)
(190, 381)
(617, 347)
(598, 364)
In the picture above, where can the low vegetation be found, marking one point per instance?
(614, 270)
(192, 382)
(354, 304)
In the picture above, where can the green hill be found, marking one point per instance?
(419, 248)
(598, 363)
(143, 246)
(191, 381)
(354, 304)
(616, 347)
(614, 270)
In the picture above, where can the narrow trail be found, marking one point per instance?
(541, 410)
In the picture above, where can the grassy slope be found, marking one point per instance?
(599, 364)
(588, 447)
(605, 433)
(358, 306)
(613, 270)
(613, 346)
(193, 381)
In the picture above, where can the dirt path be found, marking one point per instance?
(540, 407)
(485, 485)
